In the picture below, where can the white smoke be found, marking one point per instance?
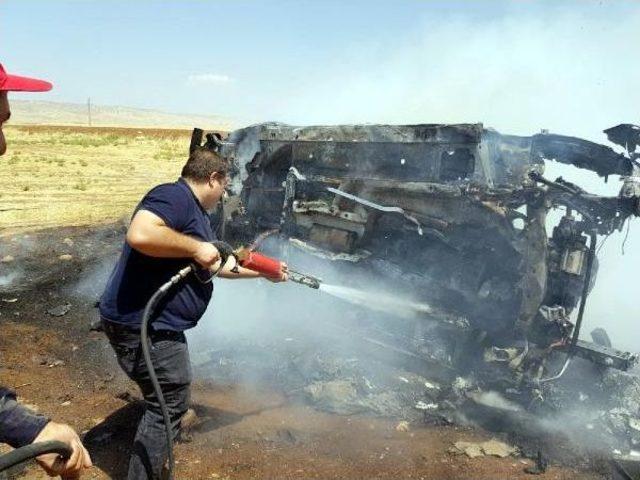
(7, 280)
(565, 67)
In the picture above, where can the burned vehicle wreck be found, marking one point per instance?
(455, 215)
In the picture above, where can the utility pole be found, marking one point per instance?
(89, 109)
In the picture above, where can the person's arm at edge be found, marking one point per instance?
(149, 234)
(19, 426)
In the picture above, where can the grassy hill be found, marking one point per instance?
(27, 112)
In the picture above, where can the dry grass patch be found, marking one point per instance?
(58, 176)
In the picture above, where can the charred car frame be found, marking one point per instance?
(455, 214)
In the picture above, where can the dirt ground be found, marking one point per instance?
(60, 368)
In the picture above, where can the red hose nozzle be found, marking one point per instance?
(267, 266)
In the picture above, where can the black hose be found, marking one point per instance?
(225, 251)
(144, 342)
(34, 450)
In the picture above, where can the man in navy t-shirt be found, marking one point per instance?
(170, 229)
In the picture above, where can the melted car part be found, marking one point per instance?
(456, 215)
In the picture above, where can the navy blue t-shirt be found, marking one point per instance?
(137, 276)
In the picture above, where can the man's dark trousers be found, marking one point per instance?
(170, 356)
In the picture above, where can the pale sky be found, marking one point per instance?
(568, 66)
(517, 66)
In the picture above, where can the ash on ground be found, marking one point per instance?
(584, 419)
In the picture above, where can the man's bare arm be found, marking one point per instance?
(149, 234)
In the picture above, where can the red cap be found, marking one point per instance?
(14, 83)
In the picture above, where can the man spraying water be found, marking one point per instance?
(170, 230)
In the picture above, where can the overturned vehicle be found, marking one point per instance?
(456, 215)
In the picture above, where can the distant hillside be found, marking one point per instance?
(54, 113)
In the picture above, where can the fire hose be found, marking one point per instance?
(255, 261)
(34, 450)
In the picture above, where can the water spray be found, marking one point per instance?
(380, 301)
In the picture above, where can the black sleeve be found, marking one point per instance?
(19, 426)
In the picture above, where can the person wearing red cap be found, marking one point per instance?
(20, 426)
(15, 83)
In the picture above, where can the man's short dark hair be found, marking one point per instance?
(202, 163)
